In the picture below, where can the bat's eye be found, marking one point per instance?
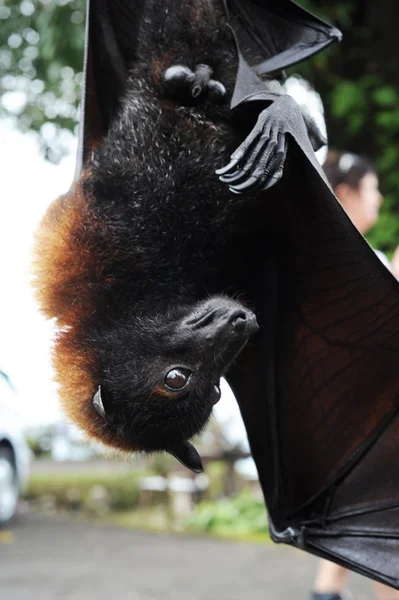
(177, 379)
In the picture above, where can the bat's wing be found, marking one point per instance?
(319, 386)
(275, 34)
(112, 28)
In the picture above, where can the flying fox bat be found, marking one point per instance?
(164, 276)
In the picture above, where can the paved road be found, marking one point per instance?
(60, 559)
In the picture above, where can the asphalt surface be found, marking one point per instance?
(58, 558)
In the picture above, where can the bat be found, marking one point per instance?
(163, 276)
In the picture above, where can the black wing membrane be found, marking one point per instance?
(319, 388)
(275, 34)
(112, 28)
(319, 385)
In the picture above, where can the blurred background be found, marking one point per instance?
(61, 476)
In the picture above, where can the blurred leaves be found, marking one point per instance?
(243, 514)
(386, 96)
(41, 58)
(96, 493)
(359, 83)
(347, 98)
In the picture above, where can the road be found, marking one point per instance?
(62, 559)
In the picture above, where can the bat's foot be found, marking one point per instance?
(259, 162)
(186, 84)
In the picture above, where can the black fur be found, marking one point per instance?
(178, 236)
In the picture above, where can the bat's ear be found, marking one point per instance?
(188, 456)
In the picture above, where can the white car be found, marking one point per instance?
(15, 455)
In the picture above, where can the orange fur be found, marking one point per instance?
(59, 265)
(76, 374)
(69, 259)
(67, 265)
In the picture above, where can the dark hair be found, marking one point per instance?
(345, 167)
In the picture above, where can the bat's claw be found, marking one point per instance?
(246, 185)
(228, 167)
(273, 180)
(260, 167)
(257, 184)
(232, 177)
(258, 163)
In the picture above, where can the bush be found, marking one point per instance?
(93, 493)
(242, 515)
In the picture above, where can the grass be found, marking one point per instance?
(155, 520)
(116, 498)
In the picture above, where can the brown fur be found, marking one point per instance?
(70, 258)
(66, 258)
(60, 263)
(76, 374)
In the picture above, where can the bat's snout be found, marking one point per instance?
(242, 321)
(220, 319)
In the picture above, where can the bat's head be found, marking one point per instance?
(157, 377)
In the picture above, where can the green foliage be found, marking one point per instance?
(92, 493)
(117, 496)
(386, 96)
(38, 449)
(242, 515)
(216, 470)
(359, 86)
(41, 58)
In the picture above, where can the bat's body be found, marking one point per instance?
(154, 269)
(141, 243)
(160, 145)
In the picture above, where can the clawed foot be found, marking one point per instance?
(183, 81)
(259, 162)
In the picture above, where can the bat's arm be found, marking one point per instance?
(259, 162)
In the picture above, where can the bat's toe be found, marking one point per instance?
(188, 86)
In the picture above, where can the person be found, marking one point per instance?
(355, 183)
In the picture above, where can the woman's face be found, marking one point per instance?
(363, 203)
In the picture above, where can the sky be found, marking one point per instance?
(28, 184)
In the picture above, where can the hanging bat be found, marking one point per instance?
(164, 276)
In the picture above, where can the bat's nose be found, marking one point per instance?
(221, 316)
(242, 321)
